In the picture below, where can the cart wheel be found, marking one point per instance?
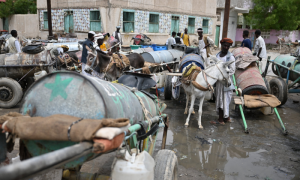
(267, 85)
(168, 88)
(10, 92)
(166, 165)
(176, 92)
(279, 89)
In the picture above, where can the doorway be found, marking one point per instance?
(69, 23)
(217, 38)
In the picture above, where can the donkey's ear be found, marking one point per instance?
(228, 63)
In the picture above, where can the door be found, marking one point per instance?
(5, 24)
(69, 25)
(175, 24)
(217, 38)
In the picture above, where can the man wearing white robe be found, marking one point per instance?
(222, 92)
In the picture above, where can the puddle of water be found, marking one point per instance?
(223, 162)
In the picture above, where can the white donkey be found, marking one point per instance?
(218, 71)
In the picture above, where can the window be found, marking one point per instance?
(191, 27)
(45, 20)
(175, 24)
(128, 22)
(69, 23)
(265, 34)
(95, 21)
(154, 23)
(205, 26)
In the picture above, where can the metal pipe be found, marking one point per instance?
(49, 18)
(32, 65)
(137, 127)
(280, 121)
(226, 19)
(163, 64)
(37, 165)
(240, 106)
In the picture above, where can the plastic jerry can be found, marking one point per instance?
(133, 167)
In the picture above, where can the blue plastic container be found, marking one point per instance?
(160, 48)
(147, 46)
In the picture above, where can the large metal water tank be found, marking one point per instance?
(164, 56)
(288, 61)
(84, 97)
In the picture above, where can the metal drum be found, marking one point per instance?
(241, 51)
(142, 50)
(288, 61)
(164, 56)
(84, 97)
(250, 81)
(191, 58)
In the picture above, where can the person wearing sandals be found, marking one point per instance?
(222, 92)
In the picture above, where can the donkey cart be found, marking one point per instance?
(112, 117)
(17, 72)
(252, 89)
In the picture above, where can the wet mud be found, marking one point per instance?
(227, 152)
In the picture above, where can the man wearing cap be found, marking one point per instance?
(117, 35)
(58, 50)
(223, 93)
(88, 43)
(13, 43)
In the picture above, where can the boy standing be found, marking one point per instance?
(260, 46)
(246, 42)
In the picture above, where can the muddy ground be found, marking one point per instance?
(226, 152)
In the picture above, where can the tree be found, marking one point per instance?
(25, 6)
(6, 8)
(11, 7)
(275, 14)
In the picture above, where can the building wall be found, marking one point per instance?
(112, 15)
(247, 4)
(271, 37)
(189, 7)
(27, 25)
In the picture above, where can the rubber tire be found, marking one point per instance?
(168, 88)
(255, 87)
(267, 85)
(16, 90)
(166, 165)
(282, 94)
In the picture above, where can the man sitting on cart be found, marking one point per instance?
(222, 92)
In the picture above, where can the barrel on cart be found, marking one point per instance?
(249, 80)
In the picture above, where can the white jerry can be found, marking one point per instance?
(134, 167)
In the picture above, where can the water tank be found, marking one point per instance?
(191, 58)
(250, 81)
(164, 56)
(288, 61)
(84, 97)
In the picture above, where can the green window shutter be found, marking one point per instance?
(67, 23)
(205, 26)
(95, 21)
(154, 23)
(191, 27)
(71, 21)
(128, 21)
(175, 24)
(45, 20)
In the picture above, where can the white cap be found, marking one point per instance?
(98, 36)
(92, 32)
(118, 27)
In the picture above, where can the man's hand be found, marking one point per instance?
(109, 53)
